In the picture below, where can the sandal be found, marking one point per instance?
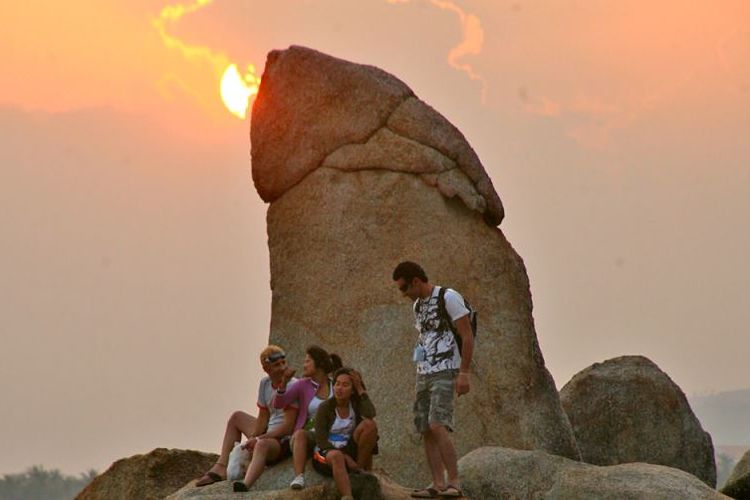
(428, 492)
(451, 491)
(209, 478)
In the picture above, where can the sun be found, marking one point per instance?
(237, 90)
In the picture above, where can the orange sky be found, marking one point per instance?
(616, 134)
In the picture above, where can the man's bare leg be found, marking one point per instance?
(447, 452)
(434, 459)
(239, 423)
(265, 449)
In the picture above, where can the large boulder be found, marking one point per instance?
(627, 410)
(344, 212)
(150, 476)
(493, 472)
(738, 484)
(274, 485)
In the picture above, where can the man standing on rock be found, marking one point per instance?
(441, 366)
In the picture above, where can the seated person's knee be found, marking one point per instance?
(368, 427)
(263, 445)
(235, 417)
(335, 457)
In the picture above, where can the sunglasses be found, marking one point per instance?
(272, 358)
(404, 287)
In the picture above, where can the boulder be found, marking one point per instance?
(274, 484)
(336, 233)
(627, 410)
(150, 476)
(738, 484)
(493, 472)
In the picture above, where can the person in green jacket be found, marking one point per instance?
(346, 435)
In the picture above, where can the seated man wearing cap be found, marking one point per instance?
(268, 435)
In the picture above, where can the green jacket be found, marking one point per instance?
(327, 415)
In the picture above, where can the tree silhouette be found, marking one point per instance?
(36, 483)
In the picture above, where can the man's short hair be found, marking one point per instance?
(269, 352)
(408, 271)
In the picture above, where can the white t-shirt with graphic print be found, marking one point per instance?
(440, 348)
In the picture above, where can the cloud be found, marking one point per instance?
(470, 45)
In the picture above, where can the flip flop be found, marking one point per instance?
(428, 492)
(451, 491)
(209, 478)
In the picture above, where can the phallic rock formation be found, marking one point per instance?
(627, 410)
(315, 110)
(360, 175)
(504, 473)
(738, 484)
(149, 477)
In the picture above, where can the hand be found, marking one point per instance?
(463, 385)
(357, 382)
(288, 374)
(249, 445)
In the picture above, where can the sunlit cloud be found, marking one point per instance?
(235, 89)
(470, 45)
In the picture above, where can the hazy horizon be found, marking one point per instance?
(135, 292)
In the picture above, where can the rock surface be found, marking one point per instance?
(335, 234)
(274, 484)
(514, 474)
(627, 410)
(738, 484)
(315, 110)
(150, 476)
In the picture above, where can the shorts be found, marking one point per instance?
(321, 465)
(434, 400)
(285, 452)
(310, 441)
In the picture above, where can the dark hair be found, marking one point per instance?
(327, 362)
(408, 271)
(347, 370)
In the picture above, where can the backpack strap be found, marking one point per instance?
(445, 320)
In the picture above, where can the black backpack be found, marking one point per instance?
(446, 320)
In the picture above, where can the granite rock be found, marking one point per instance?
(738, 484)
(334, 240)
(493, 472)
(406, 188)
(149, 476)
(314, 110)
(628, 410)
(274, 485)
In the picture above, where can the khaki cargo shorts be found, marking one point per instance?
(434, 402)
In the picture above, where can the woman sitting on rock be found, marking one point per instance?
(345, 432)
(308, 393)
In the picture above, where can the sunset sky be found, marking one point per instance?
(134, 295)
